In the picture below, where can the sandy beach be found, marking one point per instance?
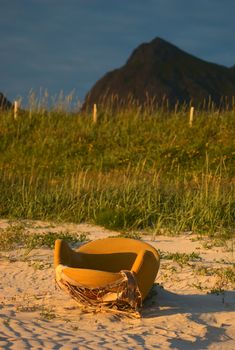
(191, 305)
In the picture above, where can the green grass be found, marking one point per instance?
(181, 258)
(16, 236)
(130, 171)
(129, 234)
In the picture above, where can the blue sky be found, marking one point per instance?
(69, 44)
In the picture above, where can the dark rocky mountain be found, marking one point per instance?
(4, 103)
(233, 69)
(157, 71)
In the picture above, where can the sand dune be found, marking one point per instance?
(179, 313)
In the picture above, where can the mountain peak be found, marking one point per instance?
(161, 43)
(158, 47)
(161, 70)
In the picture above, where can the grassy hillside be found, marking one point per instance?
(131, 170)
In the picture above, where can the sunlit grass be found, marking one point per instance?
(130, 170)
(15, 236)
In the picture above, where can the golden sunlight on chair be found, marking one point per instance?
(110, 273)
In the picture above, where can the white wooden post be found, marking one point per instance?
(94, 113)
(191, 117)
(16, 107)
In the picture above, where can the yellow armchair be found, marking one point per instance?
(110, 272)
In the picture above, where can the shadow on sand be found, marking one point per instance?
(194, 306)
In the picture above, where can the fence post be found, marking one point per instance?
(16, 108)
(191, 117)
(95, 113)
